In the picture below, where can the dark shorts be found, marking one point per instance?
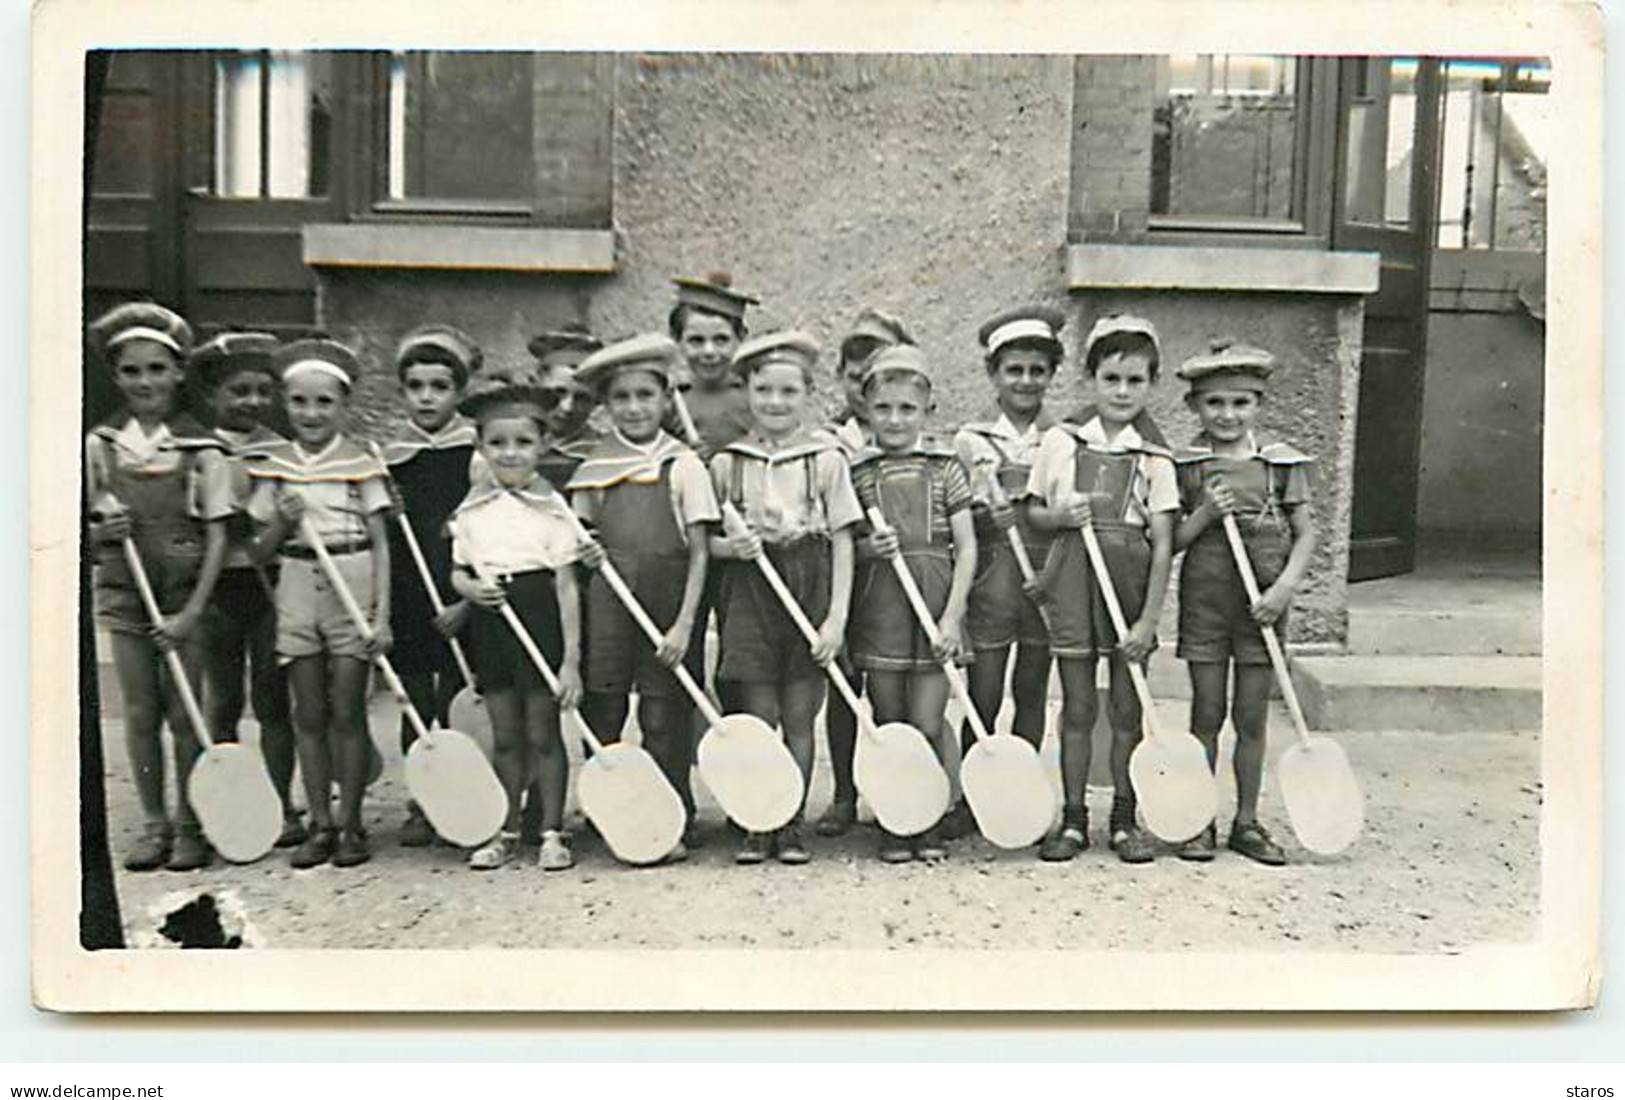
(240, 626)
(884, 635)
(759, 642)
(620, 657)
(1215, 617)
(1080, 627)
(118, 604)
(998, 612)
(500, 661)
(419, 649)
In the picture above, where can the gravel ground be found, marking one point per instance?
(1449, 858)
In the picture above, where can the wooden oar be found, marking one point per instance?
(1323, 799)
(1004, 782)
(1170, 772)
(229, 790)
(467, 710)
(448, 775)
(622, 790)
(895, 769)
(691, 430)
(742, 759)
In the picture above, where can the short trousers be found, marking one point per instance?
(884, 635)
(500, 661)
(1080, 627)
(621, 657)
(759, 643)
(998, 612)
(310, 617)
(419, 649)
(1215, 617)
(118, 604)
(240, 625)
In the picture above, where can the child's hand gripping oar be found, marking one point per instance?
(742, 759)
(623, 792)
(1004, 781)
(1170, 772)
(1323, 799)
(448, 775)
(467, 710)
(230, 790)
(895, 769)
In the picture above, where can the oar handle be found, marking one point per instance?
(691, 430)
(617, 585)
(307, 531)
(1272, 640)
(1114, 609)
(956, 682)
(177, 670)
(1024, 561)
(792, 607)
(543, 669)
(415, 549)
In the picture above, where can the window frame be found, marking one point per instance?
(1314, 152)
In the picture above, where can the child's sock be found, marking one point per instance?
(1123, 807)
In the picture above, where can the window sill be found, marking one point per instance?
(1164, 267)
(460, 247)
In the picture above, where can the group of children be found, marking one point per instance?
(710, 458)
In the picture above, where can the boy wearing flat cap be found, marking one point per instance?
(650, 503)
(793, 488)
(342, 489)
(708, 323)
(871, 333)
(430, 461)
(155, 478)
(1021, 351)
(238, 384)
(1229, 469)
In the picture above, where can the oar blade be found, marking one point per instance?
(452, 781)
(468, 715)
(901, 778)
(1323, 798)
(231, 793)
(745, 764)
(627, 797)
(1174, 786)
(1009, 794)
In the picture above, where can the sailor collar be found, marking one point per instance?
(538, 494)
(1000, 427)
(180, 433)
(342, 459)
(459, 431)
(1092, 433)
(614, 458)
(804, 444)
(1275, 452)
(925, 446)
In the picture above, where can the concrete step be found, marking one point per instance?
(1443, 694)
(1468, 632)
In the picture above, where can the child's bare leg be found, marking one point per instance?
(927, 700)
(1029, 684)
(186, 745)
(446, 687)
(135, 661)
(1210, 698)
(986, 691)
(228, 654)
(268, 687)
(666, 722)
(348, 723)
(420, 690)
(605, 712)
(888, 696)
(506, 708)
(1251, 719)
(841, 727)
(762, 700)
(1126, 732)
(800, 703)
(307, 680)
(1079, 705)
(553, 767)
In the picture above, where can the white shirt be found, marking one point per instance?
(1155, 488)
(514, 530)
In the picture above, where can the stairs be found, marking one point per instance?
(1452, 647)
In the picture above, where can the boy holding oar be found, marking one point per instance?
(1228, 469)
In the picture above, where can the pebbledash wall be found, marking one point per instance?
(943, 190)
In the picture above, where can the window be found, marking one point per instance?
(1228, 142)
(460, 126)
(1498, 128)
(272, 124)
(1378, 154)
